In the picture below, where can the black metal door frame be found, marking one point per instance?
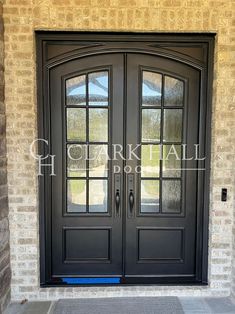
(195, 50)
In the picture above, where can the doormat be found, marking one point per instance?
(153, 305)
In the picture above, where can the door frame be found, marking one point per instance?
(200, 55)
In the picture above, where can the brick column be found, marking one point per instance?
(5, 273)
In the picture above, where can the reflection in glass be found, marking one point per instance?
(150, 165)
(151, 120)
(171, 196)
(76, 196)
(149, 196)
(98, 88)
(98, 160)
(151, 89)
(174, 91)
(76, 124)
(76, 160)
(98, 125)
(98, 196)
(171, 161)
(76, 91)
(172, 125)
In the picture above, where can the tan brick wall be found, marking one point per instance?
(21, 18)
(5, 272)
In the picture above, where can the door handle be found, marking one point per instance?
(131, 200)
(117, 196)
(117, 200)
(131, 195)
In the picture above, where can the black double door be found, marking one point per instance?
(124, 197)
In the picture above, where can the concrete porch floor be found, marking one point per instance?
(142, 305)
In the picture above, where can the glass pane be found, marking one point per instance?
(76, 124)
(151, 89)
(98, 196)
(98, 88)
(171, 196)
(149, 196)
(174, 92)
(150, 155)
(76, 91)
(98, 125)
(98, 160)
(171, 161)
(151, 120)
(76, 196)
(172, 125)
(76, 160)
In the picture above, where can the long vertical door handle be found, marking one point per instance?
(131, 195)
(117, 196)
(117, 201)
(131, 200)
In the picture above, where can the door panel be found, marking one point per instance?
(86, 119)
(162, 113)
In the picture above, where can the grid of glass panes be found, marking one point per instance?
(161, 139)
(87, 123)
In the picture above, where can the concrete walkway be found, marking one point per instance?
(153, 305)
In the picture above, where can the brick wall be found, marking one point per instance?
(21, 18)
(5, 273)
(233, 257)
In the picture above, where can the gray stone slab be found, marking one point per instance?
(221, 305)
(154, 305)
(194, 305)
(29, 308)
(14, 308)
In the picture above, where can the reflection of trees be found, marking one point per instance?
(76, 196)
(172, 125)
(98, 124)
(79, 153)
(151, 124)
(98, 155)
(79, 99)
(76, 121)
(170, 161)
(152, 189)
